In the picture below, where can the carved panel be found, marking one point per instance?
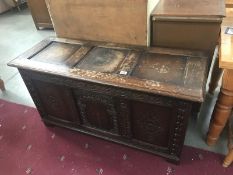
(150, 123)
(53, 101)
(147, 121)
(97, 111)
(103, 89)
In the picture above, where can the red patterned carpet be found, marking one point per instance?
(28, 147)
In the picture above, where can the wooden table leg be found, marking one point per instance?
(2, 86)
(222, 109)
(228, 159)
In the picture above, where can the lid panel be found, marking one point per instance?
(56, 52)
(161, 68)
(103, 59)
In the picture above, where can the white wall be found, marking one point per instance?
(150, 7)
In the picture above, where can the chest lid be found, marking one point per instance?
(175, 73)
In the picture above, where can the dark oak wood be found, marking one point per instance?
(40, 14)
(137, 96)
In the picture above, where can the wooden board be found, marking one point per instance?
(124, 21)
(40, 13)
(229, 3)
(226, 50)
(194, 8)
(187, 24)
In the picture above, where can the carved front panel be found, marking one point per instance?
(97, 111)
(57, 101)
(150, 123)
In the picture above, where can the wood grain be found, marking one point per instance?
(40, 13)
(101, 20)
(187, 84)
(187, 24)
(222, 109)
(186, 9)
(226, 50)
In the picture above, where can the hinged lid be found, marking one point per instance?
(169, 72)
(207, 10)
(124, 21)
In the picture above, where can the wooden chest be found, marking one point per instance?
(187, 24)
(139, 97)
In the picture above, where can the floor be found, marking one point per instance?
(18, 33)
(62, 152)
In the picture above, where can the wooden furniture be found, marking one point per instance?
(5, 5)
(40, 14)
(137, 96)
(114, 21)
(187, 24)
(2, 86)
(224, 104)
(229, 158)
(229, 3)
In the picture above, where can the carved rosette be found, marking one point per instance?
(151, 126)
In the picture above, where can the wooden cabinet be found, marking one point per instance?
(137, 96)
(40, 14)
(187, 24)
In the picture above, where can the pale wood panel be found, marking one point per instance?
(191, 8)
(118, 21)
(229, 3)
(39, 10)
(226, 50)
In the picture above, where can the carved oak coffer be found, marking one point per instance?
(139, 97)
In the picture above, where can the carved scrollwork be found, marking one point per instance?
(53, 102)
(117, 106)
(152, 126)
(107, 90)
(83, 98)
(178, 136)
(148, 125)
